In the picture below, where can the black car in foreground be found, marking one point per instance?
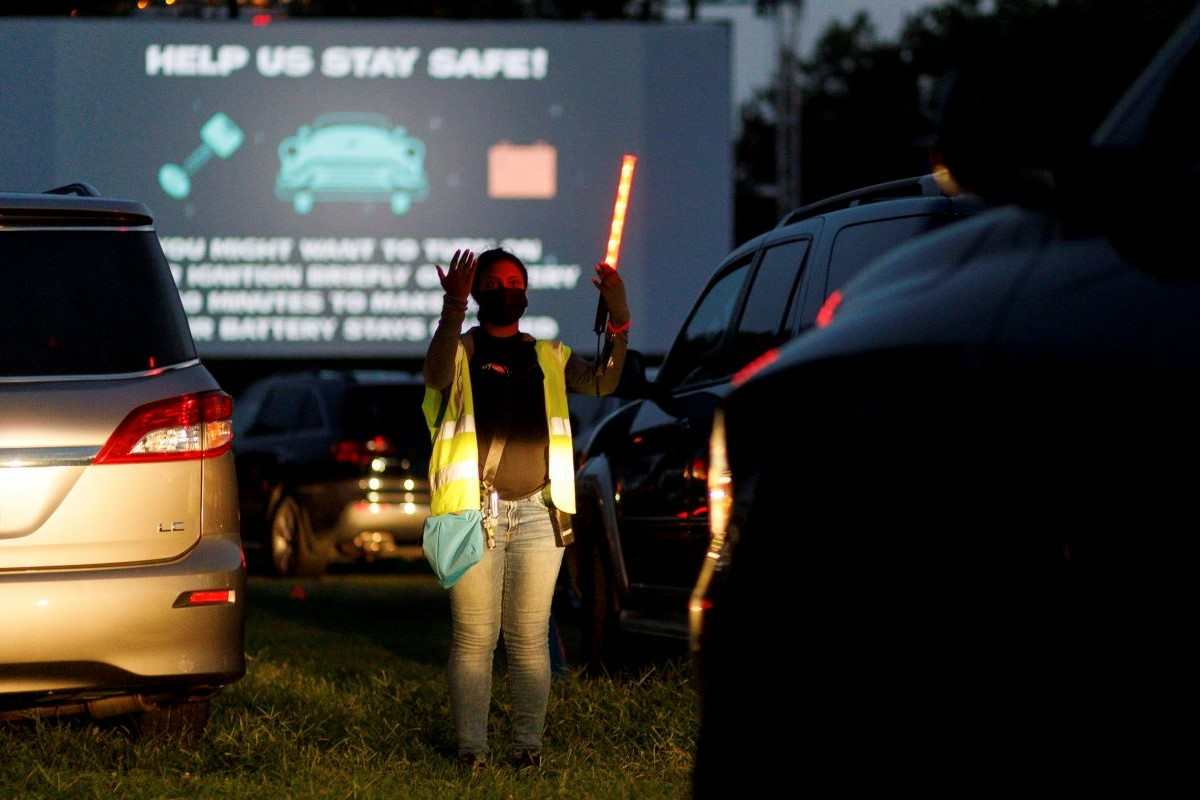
(956, 559)
(331, 465)
(642, 521)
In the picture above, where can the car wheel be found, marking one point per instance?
(293, 550)
(601, 643)
(182, 721)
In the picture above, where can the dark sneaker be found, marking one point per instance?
(527, 758)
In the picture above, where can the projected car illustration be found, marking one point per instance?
(351, 158)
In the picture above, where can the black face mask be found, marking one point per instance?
(501, 306)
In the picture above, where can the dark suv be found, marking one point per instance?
(643, 512)
(332, 464)
(1021, 380)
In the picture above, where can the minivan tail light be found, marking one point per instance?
(217, 411)
(176, 429)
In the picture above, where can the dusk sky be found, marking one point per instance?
(888, 15)
(755, 54)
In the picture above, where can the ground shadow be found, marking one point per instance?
(398, 606)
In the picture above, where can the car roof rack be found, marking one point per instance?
(920, 186)
(79, 189)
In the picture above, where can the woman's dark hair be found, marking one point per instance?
(490, 257)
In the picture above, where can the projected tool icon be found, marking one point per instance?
(219, 136)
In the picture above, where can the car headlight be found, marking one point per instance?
(720, 505)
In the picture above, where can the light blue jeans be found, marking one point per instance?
(509, 590)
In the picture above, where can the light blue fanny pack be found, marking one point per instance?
(453, 543)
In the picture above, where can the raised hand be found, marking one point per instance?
(458, 280)
(612, 289)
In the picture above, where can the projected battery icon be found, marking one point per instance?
(522, 171)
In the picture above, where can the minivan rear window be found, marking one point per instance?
(87, 303)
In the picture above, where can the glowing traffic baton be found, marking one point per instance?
(616, 230)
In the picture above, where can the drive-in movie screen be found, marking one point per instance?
(306, 178)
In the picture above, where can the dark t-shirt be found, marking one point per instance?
(506, 384)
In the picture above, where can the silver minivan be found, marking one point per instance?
(122, 579)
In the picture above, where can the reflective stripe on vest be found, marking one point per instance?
(452, 426)
(454, 462)
(552, 357)
(450, 415)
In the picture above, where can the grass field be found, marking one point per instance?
(345, 697)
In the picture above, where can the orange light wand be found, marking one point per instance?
(616, 231)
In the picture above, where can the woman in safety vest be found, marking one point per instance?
(497, 390)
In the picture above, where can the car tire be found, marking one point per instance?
(601, 645)
(181, 721)
(290, 543)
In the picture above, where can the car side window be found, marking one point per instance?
(690, 360)
(310, 412)
(766, 306)
(857, 245)
(281, 411)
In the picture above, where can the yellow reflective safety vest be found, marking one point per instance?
(450, 415)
